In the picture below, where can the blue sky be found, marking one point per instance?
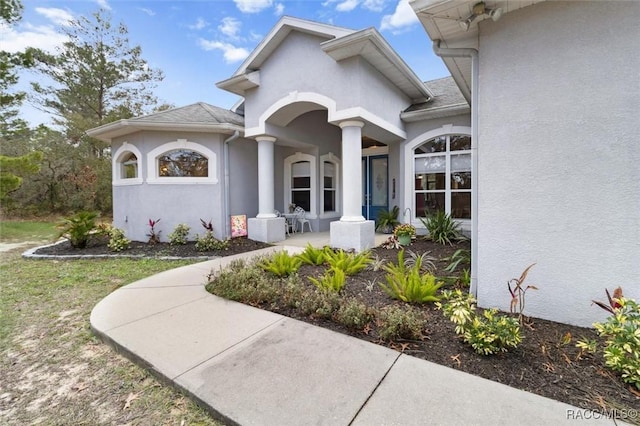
(198, 43)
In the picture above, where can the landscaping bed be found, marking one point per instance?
(546, 362)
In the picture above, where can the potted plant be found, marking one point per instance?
(404, 233)
(387, 220)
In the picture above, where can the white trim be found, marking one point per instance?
(333, 115)
(152, 164)
(331, 158)
(299, 156)
(116, 169)
(409, 163)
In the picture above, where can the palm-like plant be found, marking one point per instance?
(77, 228)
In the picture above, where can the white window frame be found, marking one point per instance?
(409, 161)
(116, 165)
(153, 176)
(288, 163)
(330, 158)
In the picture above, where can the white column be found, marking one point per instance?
(266, 191)
(352, 171)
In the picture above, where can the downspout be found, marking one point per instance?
(227, 193)
(473, 54)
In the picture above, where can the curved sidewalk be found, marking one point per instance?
(253, 367)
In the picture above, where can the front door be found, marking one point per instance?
(375, 185)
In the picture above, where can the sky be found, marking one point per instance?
(197, 43)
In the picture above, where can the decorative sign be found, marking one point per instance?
(239, 226)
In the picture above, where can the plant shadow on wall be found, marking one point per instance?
(415, 300)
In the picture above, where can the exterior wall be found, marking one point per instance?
(243, 178)
(350, 83)
(558, 156)
(134, 205)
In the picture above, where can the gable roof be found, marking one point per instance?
(447, 101)
(340, 44)
(198, 117)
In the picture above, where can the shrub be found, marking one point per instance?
(518, 293)
(117, 240)
(179, 235)
(333, 280)
(622, 346)
(281, 264)
(387, 220)
(319, 304)
(78, 228)
(489, 334)
(426, 261)
(460, 256)
(248, 285)
(410, 285)
(348, 263)
(404, 322)
(441, 227)
(209, 243)
(154, 236)
(353, 314)
(312, 256)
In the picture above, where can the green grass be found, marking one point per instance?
(15, 231)
(55, 371)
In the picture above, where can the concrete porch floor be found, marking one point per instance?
(318, 239)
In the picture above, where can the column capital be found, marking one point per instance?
(351, 123)
(265, 138)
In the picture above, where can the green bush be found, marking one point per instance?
(117, 240)
(489, 334)
(410, 285)
(353, 314)
(318, 304)
(179, 235)
(349, 263)
(387, 220)
(333, 280)
(404, 322)
(209, 243)
(248, 285)
(312, 256)
(459, 257)
(281, 264)
(622, 347)
(442, 228)
(78, 228)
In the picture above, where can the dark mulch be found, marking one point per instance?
(98, 246)
(543, 364)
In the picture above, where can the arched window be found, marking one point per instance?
(126, 169)
(330, 175)
(300, 182)
(182, 162)
(442, 176)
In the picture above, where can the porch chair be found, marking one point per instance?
(301, 219)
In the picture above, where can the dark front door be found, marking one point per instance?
(375, 185)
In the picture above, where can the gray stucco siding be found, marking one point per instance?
(558, 156)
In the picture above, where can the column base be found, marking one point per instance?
(266, 230)
(358, 236)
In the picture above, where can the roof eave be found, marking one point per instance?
(119, 128)
(241, 83)
(431, 113)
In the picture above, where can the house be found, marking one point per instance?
(541, 112)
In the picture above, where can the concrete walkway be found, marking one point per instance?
(253, 367)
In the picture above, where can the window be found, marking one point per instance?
(442, 176)
(300, 182)
(126, 165)
(330, 172)
(183, 163)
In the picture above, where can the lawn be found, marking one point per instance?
(54, 370)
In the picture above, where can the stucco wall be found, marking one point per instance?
(558, 156)
(243, 177)
(134, 205)
(349, 83)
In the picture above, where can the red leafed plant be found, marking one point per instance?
(613, 301)
(154, 237)
(518, 292)
(207, 225)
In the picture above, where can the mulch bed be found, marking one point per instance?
(544, 363)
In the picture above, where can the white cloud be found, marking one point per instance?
(402, 18)
(279, 9)
(231, 53)
(374, 5)
(347, 5)
(103, 4)
(41, 37)
(57, 16)
(147, 11)
(254, 36)
(252, 6)
(200, 24)
(230, 27)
